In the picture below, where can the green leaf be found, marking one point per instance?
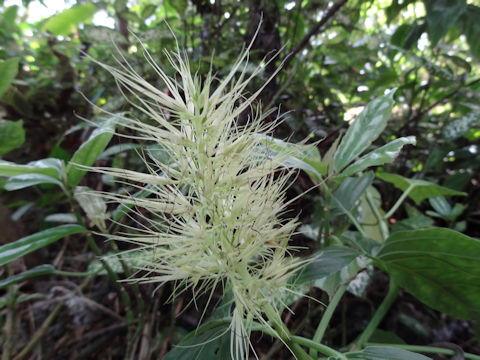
(395, 8)
(412, 38)
(415, 222)
(458, 127)
(66, 22)
(438, 266)
(298, 156)
(36, 271)
(384, 353)
(469, 25)
(441, 15)
(148, 11)
(213, 344)
(28, 244)
(8, 72)
(68, 218)
(89, 152)
(327, 262)
(383, 155)
(12, 135)
(179, 5)
(93, 205)
(420, 189)
(50, 167)
(364, 130)
(27, 180)
(441, 205)
(348, 193)
(366, 214)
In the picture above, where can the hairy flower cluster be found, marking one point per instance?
(214, 210)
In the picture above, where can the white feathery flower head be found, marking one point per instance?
(215, 214)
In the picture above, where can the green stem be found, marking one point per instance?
(427, 349)
(322, 327)
(325, 350)
(399, 202)
(111, 274)
(284, 334)
(379, 314)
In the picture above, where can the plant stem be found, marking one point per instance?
(379, 314)
(428, 349)
(399, 202)
(325, 350)
(322, 327)
(284, 334)
(111, 274)
(39, 334)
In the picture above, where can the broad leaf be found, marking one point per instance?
(89, 152)
(66, 22)
(438, 266)
(419, 189)
(441, 15)
(459, 127)
(327, 262)
(27, 180)
(36, 271)
(365, 129)
(383, 155)
(28, 244)
(8, 72)
(350, 191)
(12, 135)
(385, 353)
(50, 167)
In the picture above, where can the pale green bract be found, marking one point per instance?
(214, 213)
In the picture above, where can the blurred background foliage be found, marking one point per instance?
(335, 58)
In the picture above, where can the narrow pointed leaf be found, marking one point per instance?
(36, 271)
(27, 180)
(348, 193)
(383, 155)
(421, 189)
(51, 167)
(438, 266)
(89, 152)
(365, 129)
(31, 243)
